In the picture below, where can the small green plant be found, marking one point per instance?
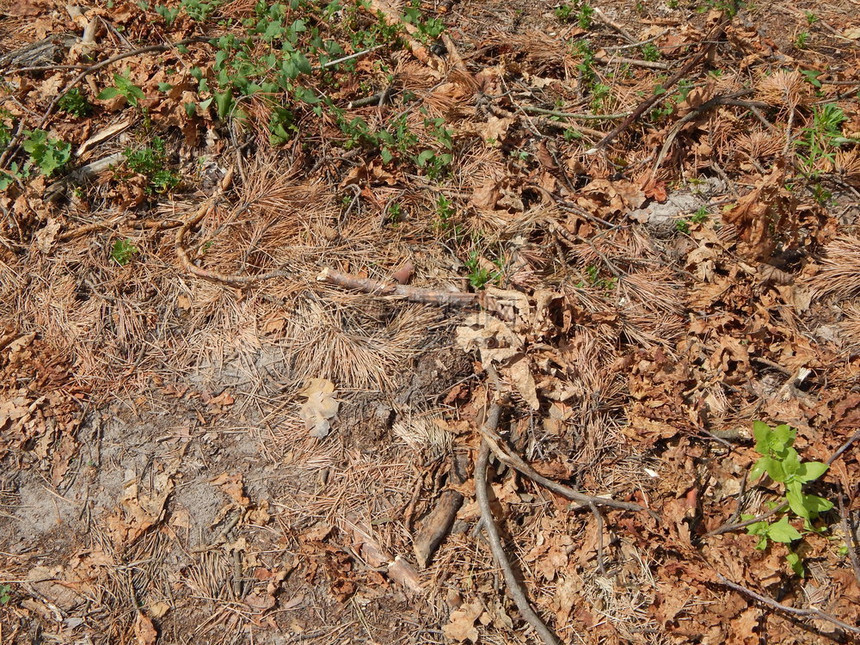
(437, 163)
(701, 215)
(599, 93)
(564, 12)
(151, 162)
(123, 251)
(650, 52)
(780, 461)
(571, 135)
(444, 224)
(583, 19)
(479, 276)
(581, 13)
(197, 10)
(594, 279)
(11, 176)
(811, 18)
(5, 594)
(822, 136)
(49, 155)
(123, 87)
(75, 103)
(801, 39)
(167, 13)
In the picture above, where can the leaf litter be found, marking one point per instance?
(254, 425)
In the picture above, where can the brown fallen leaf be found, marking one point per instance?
(144, 631)
(462, 625)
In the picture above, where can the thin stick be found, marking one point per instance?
(517, 463)
(574, 115)
(513, 586)
(849, 538)
(716, 101)
(725, 528)
(647, 103)
(343, 59)
(596, 512)
(231, 280)
(616, 48)
(636, 62)
(412, 294)
(608, 21)
(844, 447)
(791, 610)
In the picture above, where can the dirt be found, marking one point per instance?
(195, 453)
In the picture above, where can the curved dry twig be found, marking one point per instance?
(519, 464)
(644, 106)
(511, 582)
(770, 602)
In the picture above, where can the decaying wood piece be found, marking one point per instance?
(412, 294)
(436, 526)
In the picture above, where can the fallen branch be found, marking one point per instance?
(528, 109)
(518, 463)
(643, 107)
(725, 528)
(722, 99)
(636, 62)
(611, 23)
(437, 524)
(511, 582)
(816, 613)
(843, 448)
(412, 294)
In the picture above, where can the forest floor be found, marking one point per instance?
(302, 303)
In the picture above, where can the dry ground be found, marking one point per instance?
(204, 442)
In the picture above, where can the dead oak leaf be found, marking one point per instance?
(234, 486)
(144, 631)
(320, 406)
(462, 625)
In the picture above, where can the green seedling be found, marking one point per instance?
(123, 87)
(575, 12)
(801, 39)
(49, 155)
(123, 251)
(479, 276)
(780, 461)
(167, 13)
(151, 162)
(822, 136)
(75, 103)
(701, 215)
(650, 52)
